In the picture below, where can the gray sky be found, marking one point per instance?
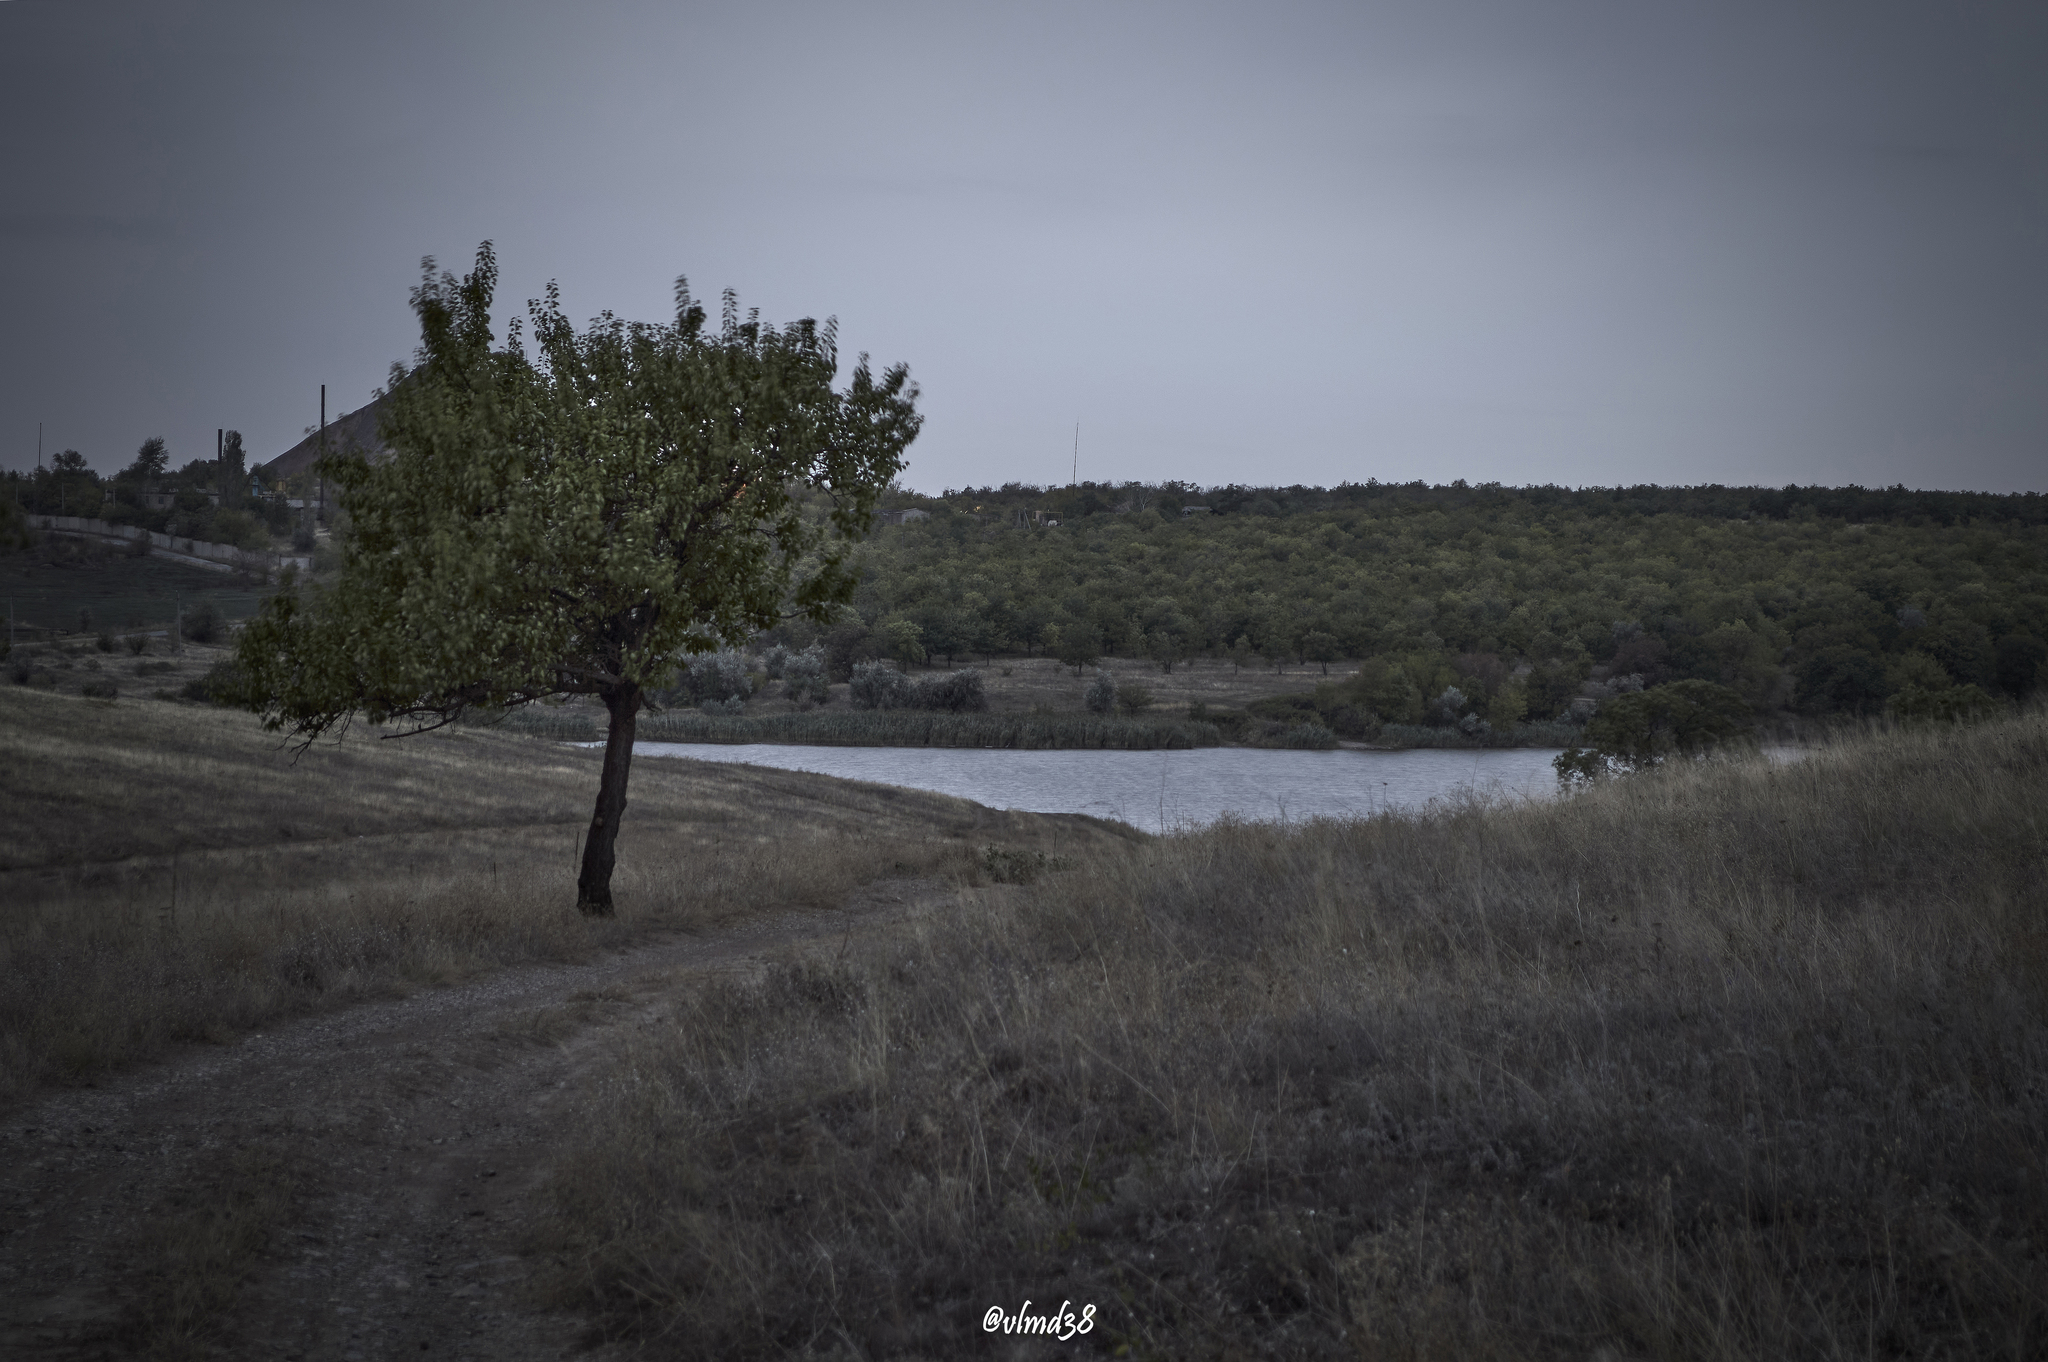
(1538, 241)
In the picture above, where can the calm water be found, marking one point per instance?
(1173, 789)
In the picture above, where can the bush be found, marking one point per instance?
(877, 685)
(19, 668)
(803, 675)
(1134, 699)
(202, 623)
(148, 668)
(99, 688)
(1101, 698)
(303, 538)
(105, 642)
(1351, 722)
(222, 684)
(957, 692)
(240, 529)
(1946, 704)
(138, 644)
(718, 676)
(1679, 718)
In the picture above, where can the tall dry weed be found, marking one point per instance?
(1725, 1061)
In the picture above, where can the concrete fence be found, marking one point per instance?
(196, 552)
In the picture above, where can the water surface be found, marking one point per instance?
(1155, 790)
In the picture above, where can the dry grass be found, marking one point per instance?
(168, 874)
(1713, 1063)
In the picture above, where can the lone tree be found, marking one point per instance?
(578, 521)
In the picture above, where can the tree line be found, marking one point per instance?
(1824, 600)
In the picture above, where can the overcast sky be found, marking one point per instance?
(1531, 241)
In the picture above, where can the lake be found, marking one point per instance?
(1164, 790)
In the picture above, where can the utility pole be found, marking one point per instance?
(1075, 479)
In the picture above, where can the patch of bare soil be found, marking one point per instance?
(348, 1186)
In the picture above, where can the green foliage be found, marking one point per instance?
(203, 622)
(14, 531)
(224, 684)
(579, 520)
(150, 460)
(243, 529)
(1078, 646)
(1797, 596)
(1134, 699)
(717, 677)
(1101, 694)
(1680, 718)
(903, 640)
(877, 685)
(803, 675)
(954, 692)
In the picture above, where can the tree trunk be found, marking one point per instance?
(594, 883)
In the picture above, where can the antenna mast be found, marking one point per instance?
(1075, 479)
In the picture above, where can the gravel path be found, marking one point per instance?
(374, 1168)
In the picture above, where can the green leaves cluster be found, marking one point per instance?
(1634, 732)
(578, 519)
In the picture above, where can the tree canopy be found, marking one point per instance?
(578, 520)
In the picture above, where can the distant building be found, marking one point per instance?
(1187, 511)
(903, 517)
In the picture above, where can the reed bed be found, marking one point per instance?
(884, 728)
(1547, 733)
(1719, 1061)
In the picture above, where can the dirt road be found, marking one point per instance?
(348, 1186)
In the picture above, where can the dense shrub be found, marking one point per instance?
(222, 684)
(958, 692)
(803, 676)
(203, 623)
(877, 685)
(1101, 698)
(99, 688)
(713, 677)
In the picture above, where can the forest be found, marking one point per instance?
(1822, 601)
